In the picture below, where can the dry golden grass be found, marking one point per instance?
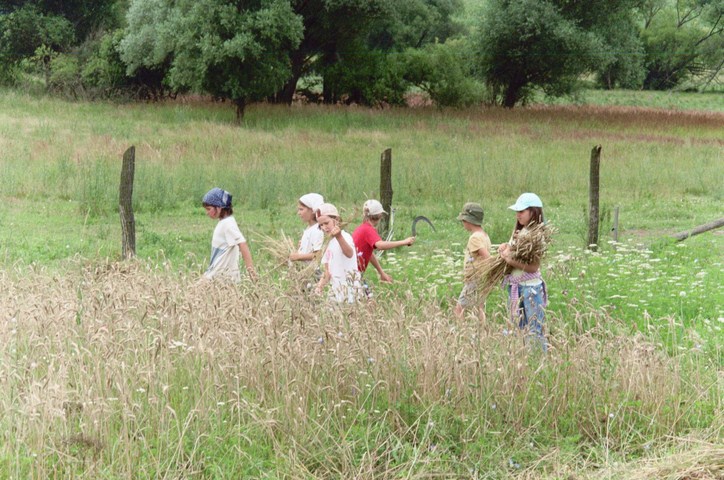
(690, 459)
(530, 247)
(127, 370)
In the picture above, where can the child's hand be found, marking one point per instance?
(410, 240)
(317, 290)
(252, 274)
(384, 278)
(335, 231)
(502, 249)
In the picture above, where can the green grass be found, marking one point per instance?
(180, 381)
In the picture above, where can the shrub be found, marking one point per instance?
(443, 71)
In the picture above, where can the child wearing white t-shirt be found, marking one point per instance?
(227, 243)
(339, 259)
(313, 237)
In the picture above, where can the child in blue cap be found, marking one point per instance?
(227, 243)
(527, 290)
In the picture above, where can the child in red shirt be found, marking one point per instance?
(366, 239)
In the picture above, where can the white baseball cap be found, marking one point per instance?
(526, 200)
(327, 209)
(373, 207)
(311, 200)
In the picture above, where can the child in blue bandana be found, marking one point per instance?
(227, 243)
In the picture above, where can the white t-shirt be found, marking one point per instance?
(312, 239)
(345, 281)
(224, 261)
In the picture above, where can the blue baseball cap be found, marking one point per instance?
(526, 200)
(217, 197)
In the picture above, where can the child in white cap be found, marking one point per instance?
(527, 290)
(227, 243)
(339, 259)
(313, 237)
(367, 239)
(477, 251)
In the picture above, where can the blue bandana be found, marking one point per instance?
(217, 197)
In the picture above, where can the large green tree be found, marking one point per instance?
(523, 45)
(348, 43)
(230, 49)
(330, 26)
(684, 40)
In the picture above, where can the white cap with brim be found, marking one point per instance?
(373, 207)
(311, 200)
(526, 200)
(327, 209)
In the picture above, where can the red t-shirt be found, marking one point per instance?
(365, 236)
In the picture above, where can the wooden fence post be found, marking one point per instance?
(593, 198)
(615, 227)
(385, 189)
(125, 203)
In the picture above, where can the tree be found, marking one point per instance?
(444, 72)
(27, 32)
(330, 27)
(625, 52)
(230, 49)
(85, 16)
(26, 29)
(524, 44)
(349, 42)
(683, 40)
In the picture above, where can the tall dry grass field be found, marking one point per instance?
(130, 371)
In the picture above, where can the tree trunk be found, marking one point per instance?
(240, 107)
(286, 94)
(512, 95)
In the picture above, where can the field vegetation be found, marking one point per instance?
(113, 369)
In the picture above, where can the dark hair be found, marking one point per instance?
(225, 211)
(536, 217)
(374, 217)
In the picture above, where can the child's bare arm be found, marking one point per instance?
(385, 245)
(296, 256)
(383, 276)
(507, 255)
(347, 249)
(326, 276)
(246, 256)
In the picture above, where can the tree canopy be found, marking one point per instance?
(371, 52)
(234, 50)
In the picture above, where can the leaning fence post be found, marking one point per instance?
(125, 203)
(593, 198)
(385, 188)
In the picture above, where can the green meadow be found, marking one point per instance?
(113, 369)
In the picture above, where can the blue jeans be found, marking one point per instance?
(531, 315)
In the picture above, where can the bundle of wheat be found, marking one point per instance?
(529, 247)
(278, 248)
(299, 273)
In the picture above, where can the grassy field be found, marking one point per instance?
(135, 370)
